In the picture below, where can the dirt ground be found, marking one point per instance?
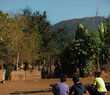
(41, 86)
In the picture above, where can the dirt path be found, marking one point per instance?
(40, 86)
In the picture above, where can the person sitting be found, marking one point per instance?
(61, 88)
(98, 86)
(78, 88)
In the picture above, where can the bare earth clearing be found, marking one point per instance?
(41, 86)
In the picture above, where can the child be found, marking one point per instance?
(61, 88)
(78, 88)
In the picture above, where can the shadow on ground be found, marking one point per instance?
(30, 92)
(108, 86)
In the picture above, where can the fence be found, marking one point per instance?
(23, 75)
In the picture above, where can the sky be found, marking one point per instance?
(59, 10)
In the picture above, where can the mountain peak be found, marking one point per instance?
(90, 23)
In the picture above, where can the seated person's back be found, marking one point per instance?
(61, 88)
(78, 88)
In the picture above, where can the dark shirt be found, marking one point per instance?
(78, 89)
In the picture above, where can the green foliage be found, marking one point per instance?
(30, 38)
(6, 58)
(81, 32)
(108, 31)
(81, 53)
(88, 68)
(103, 53)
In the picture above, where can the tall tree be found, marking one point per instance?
(103, 54)
(81, 53)
(31, 39)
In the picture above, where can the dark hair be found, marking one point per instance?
(63, 78)
(97, 74)
(75, 79)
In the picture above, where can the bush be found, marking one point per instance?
(88, 69)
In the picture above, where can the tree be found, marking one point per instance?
(8, 33)
(79, 56)
(108, 34)
(30, 43)
(103, 35)
(108, 30)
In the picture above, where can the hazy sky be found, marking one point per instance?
(58, 10)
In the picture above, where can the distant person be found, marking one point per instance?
(98, 87)
(61, 88)
(78, 88)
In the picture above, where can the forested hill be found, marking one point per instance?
(71, 25)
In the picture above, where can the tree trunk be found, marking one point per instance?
(98, 64)
(4, 73)
(17, 61)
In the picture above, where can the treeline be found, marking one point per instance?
(28, 39)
